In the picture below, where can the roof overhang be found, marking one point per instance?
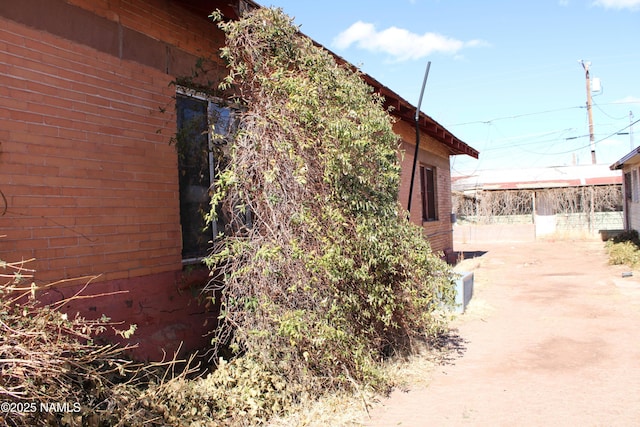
(402, 109)
(631, 158)
(230, 9)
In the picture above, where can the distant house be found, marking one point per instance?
(542, 201)
(89, 182)
(630, 167)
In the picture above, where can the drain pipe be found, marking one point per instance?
(417, 120)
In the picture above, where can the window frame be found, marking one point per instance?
(628, 186)
(635, 186)
(212, 102)
(429, 193)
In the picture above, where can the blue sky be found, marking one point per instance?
(505, 75)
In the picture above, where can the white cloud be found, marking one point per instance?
(614, 142)
(618, 4)
(628, 100)
(400, 43)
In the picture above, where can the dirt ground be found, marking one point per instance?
(551, 338)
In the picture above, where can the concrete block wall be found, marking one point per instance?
(600, 221)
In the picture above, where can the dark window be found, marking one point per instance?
(628, 187)
(202, 130)
(428, 193)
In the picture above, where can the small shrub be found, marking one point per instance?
(624, 249)
(624, 253)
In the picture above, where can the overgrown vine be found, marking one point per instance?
(319, 274)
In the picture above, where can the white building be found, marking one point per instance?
(629, 165)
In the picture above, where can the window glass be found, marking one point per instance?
(428, 193)
(203, 131)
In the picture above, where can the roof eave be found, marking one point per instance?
(402, 109)
(620, 163)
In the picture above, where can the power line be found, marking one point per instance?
(617, 132)
(517, 116)
(611, 117)
(596, 142)
(537, 141)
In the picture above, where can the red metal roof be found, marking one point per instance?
(534, 178)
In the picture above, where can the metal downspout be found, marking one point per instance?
(417, 121)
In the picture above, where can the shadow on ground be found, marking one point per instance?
(461, 256)
(449, 346)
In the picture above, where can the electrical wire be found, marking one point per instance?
(596, 142)
(491, 124)
(517, 116)
(611, 117)
(521, 144)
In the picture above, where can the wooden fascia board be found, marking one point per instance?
(406, 112)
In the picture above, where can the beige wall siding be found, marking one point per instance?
(632, 205)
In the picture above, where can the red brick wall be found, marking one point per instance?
(161, 20)
(85, 165)
(87, 171)
(90, 182)
(431, 153)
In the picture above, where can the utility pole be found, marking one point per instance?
(586, 66)
(631, 129)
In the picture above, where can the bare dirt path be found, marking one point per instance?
(551, 338)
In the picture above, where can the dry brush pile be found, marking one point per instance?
(48, 358)
(54, 372)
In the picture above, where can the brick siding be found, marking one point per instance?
(89, 177)
(87, 171)
(432, 153)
